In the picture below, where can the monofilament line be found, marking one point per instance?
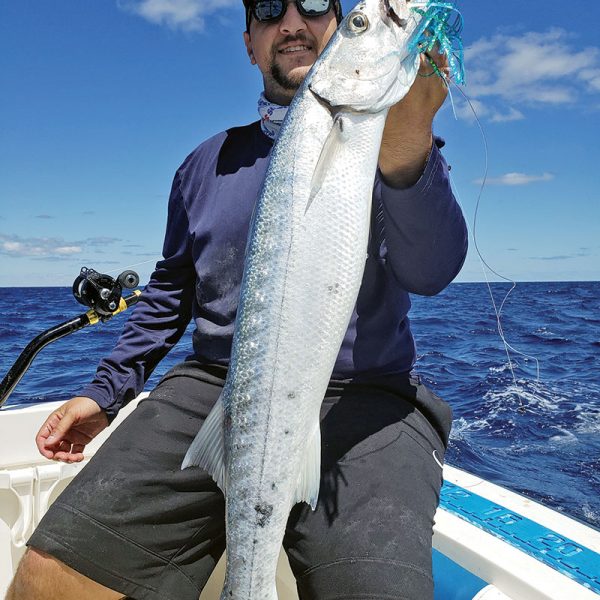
(144, 262)
(497, 310)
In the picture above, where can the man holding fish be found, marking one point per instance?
(133, 523)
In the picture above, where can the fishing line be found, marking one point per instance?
(440, 28)
(144, 262)
(119, 269)
(484, 264)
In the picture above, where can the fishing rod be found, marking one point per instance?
(101, 293)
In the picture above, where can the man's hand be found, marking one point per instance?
(65, 433)
(407, 136)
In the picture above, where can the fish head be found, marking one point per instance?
(367, 65)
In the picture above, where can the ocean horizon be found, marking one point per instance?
(535, 435)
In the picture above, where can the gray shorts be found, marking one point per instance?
(134, 522)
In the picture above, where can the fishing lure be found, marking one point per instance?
(441, 24)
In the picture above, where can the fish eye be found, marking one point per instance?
(358, 22)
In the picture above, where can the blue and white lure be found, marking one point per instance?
(441, 25)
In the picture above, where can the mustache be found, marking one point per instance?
(290, 39)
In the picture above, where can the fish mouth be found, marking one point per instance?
(336, 108)
(391, 14)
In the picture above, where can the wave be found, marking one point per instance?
(513, 431)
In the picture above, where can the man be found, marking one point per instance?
(132, 522)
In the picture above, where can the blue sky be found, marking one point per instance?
(101, 101)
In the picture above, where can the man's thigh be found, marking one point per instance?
(132, 520)
(370, 536)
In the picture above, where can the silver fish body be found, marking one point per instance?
(304, 264)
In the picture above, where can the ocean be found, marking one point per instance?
(539, 436)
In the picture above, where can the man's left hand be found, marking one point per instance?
(407, 137)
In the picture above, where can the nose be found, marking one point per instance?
(292, 22)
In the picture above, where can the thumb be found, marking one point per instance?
(57, 425)
(47, 440)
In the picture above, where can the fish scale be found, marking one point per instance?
(304, 263)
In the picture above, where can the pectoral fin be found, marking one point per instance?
(307, 489)
(333, 143)
(207, 449)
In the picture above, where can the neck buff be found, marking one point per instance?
(271, 116)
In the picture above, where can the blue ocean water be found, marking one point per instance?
(539, 437)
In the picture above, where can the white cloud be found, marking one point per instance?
(512, 115)
(467, 111)
(515, 179)
(484, 110)
(100, 241)
(13, 245)
(557, 257)
(533, 69)
(187, 15)
(52, 247)
(592, 78)
(66, 250)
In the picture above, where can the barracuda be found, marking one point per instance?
(304, 264)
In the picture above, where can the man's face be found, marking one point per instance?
(284, 50)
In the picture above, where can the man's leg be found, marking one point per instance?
(132, 521)
(42, 577)
(371, 533)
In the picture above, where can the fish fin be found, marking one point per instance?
(207, 451)
(307, 489)
(331, 147)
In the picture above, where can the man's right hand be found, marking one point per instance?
(65, 433)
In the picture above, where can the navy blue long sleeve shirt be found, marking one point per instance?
(417, 245)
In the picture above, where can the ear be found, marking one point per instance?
(248, 44)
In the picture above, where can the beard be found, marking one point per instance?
(285, 80)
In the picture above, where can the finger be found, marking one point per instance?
(64, 446)
(442, 62)
(53, 432)
(41, 439)
(59, 428)
(434, 65)
(68, 457)
(75, 454)
(63, 452)
(70, 453)
(49, 425)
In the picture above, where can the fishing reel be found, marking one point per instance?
(101, 292)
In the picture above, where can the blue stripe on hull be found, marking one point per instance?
(556, 551)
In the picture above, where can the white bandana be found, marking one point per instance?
(271, 116)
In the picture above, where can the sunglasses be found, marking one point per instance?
(273, 10)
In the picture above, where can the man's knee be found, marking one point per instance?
(43, 577)
(36, 576)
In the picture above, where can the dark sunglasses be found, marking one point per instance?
(273, 10)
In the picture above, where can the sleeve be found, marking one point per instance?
(157, 322)
(425, 231)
